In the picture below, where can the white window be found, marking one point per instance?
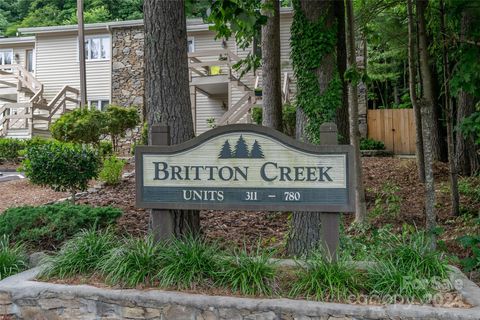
(97, 48)
(98, 104)
(191, 44)
(6, 56)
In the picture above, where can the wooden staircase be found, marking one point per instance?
(26, 113)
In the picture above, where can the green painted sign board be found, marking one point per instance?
(245, 167)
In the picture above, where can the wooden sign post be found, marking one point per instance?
(245, 167)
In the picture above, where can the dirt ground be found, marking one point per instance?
(240, 228)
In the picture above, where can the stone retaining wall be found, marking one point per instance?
(21, 298)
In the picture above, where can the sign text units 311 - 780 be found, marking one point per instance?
(245, 167)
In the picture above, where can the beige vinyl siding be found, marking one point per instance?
(285, 49)
(208, 108)
(57, 66)
(19, 50)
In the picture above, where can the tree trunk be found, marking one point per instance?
(342, 117)
(272, 84)
(305, 234)
(455, 197)
(167, 94)
(412, 84)
(430, 198)
(427, 79)
(467, 152)
(360, 204)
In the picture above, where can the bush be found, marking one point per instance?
(470, 126)
(112, 170)
(248, 274)
(13, 258)
(105, 148)
(472, 244)
(80, 255)
(408, 267)
(119, 120)
(289, 116)
(187, 262)
(10, 149)
(470, 187)
(50, 225)
(326, 280)
(80, 126)
(134, 262)
(61, 166)
(371, 144)
(257, 115)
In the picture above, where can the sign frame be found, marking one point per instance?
(281, 138)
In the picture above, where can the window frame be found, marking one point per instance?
(98, 103)
(193, 44)
(3, 51)
(100, 37)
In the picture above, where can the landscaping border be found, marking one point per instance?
(23, 298)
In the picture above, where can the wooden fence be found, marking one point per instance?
(395, 127)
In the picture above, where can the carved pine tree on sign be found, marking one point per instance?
(226, 151)
(257, 152)
(241, 149)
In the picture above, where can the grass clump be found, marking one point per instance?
(134, 262)
(80, 255)
(13, 258)
(324, 279)
(111, 172)
(248, 274)
(408, 268)
(188, 262)
(46, 227)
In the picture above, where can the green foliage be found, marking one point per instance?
(112, 169)
(311, 42)
(289, 117)
(80, 126)
(470, 187)
(61, 166)
(80, 255)
(10, 149)
(13, 258)
(144, 137)
(387, 201)
(371, 144)
(249, 274)
(105, 148)
(118, 121)
(49, 225)
(322, 279)
(257, 115)
(134, 262)
(408, 267)
(470, 126)
(365, 241)
(472, 244)
(187, 262)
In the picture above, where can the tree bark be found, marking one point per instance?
(360, 204)
(272, 84)
(455, 197)
(305, 234)
(342, 116)
(167, 95)
(427, 80)
(412, 84)
(467, 152)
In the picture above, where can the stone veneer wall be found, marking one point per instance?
(22, 298)
(127, 75)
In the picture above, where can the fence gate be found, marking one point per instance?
(395, 127)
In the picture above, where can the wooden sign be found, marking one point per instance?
(246, 167)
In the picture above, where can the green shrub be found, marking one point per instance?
(144, 134)
(10, 149)
(323, 279)
(80, 126)
(248, 274)
(80, 255)
(470, 126)
(257, 114)
(49, 225)
(105, 148)
(13, 258)
(472, 244)
(407, 267)
(187, 262)
(387, 201)
(134, 262)
(61, 166)
(470, 187)
(112, 169)
(119, 120)
(289, 116)
(371, 144)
